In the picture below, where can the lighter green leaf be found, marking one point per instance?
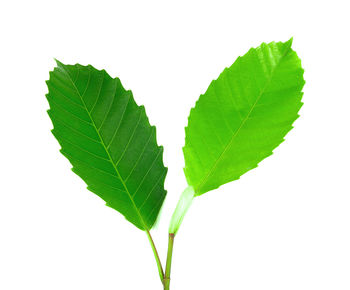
(243, 116)
(107, 138)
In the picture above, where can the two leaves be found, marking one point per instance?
(240, 119)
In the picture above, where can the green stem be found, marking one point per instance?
(166, 281)
(159, 264)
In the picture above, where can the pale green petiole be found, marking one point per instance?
(182, 207)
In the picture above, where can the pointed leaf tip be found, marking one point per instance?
(60, 64)
(289, 42)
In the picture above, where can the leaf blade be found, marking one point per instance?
(269, 77)
(107, 138)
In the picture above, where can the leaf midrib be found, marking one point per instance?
(210, 172)
(105, 148)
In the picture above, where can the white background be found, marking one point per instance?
(282, 226)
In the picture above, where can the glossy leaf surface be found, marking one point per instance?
(108, 139)
(243, 116)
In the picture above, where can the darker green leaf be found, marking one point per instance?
(108, 139)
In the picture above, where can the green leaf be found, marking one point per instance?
(107, 138)
(243, 116)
